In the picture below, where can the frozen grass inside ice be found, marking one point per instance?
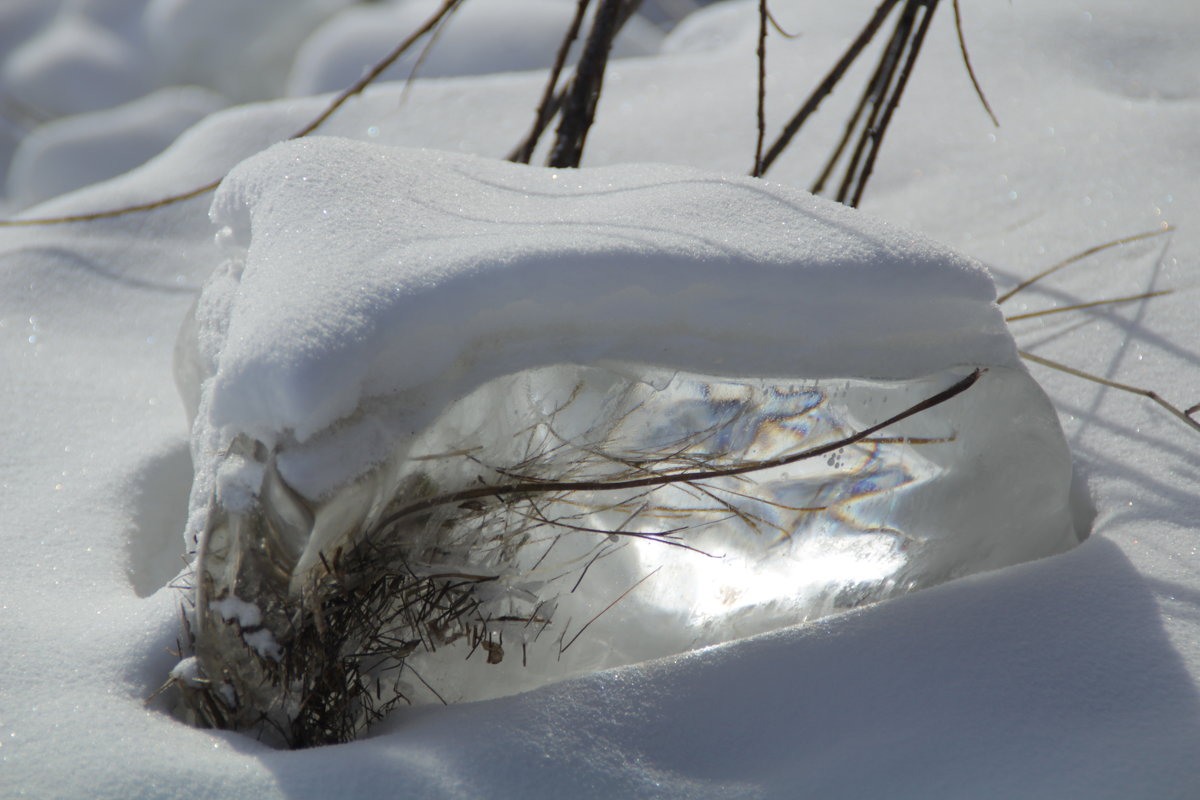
(569, 519)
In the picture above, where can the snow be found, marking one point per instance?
(479, 38)
(1074, 675)
(339, 297)
(198, 42)
(83, 149)
(71, 57)
(75, 63)
(247, 615)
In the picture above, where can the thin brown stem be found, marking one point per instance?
(367, 79)
(1182, 416)
(94, 215)
(875, 96)
(551, 99)
(608, 608)
(779, 28)
(1082, 254)
(761, 108)
(583, 94)
(826, 86)
(434, 37)
(526, 487)
(877, 133)
(962, 46)
(1092, 304)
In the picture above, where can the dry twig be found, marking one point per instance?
(1184, 416)
(552, 99)
(583, 93)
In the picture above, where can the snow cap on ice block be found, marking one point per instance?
(378, 272)
(433, 393)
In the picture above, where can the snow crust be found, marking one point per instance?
(1072, 676)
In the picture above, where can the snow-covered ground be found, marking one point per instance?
(1071, 676)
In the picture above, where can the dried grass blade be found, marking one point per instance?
(1082, 254)
(1182, 416)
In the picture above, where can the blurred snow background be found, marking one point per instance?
(1074, 676)
(92, 88)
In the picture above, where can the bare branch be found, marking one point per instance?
(761, 119)
(526, 487)
(551, 100)
(779, 28)
(583, 93)
(434, 38)
(962, 46)
(830, 81)
(369, 77)
(119, 212)
(876, 134)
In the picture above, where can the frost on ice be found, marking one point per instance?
(463, 427)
